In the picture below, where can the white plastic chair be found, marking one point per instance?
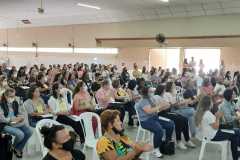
(40, 124)
(223, 144)
(90, 139)
(146, 136)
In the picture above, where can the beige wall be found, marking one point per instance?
(130, 51)
(231, 57)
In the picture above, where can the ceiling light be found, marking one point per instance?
(165, 1)
(88, 6)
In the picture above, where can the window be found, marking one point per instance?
(210, 57)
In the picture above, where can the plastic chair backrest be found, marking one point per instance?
(137, 116)
(39, 125)
(86, 119)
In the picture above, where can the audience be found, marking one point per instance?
(63, 92)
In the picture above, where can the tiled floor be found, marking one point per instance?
(212, 152)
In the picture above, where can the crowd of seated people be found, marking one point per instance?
(61, 91)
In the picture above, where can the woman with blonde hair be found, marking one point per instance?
(208, 125)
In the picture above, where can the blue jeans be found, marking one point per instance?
(158, 126)
(189, 113)
(21, 134)
(234, 138)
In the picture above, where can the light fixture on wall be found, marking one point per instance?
(88, 6)
(164, 1)
(35, 45)
(40, 9)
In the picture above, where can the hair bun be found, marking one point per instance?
(45, 131)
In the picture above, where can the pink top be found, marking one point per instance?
(104, 97)
(80, 101)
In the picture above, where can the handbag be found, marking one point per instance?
(167, 147)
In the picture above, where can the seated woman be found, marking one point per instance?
(13, 121)
(61, 109)
(60, 144)
(122, 96)
(148, 117)
(82, 101)
(35, 106)
(105, 97)
(229, 110)
(208, 125)
(180, 105)
(114, 144)
(181, 123)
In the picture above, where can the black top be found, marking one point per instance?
(77, 155)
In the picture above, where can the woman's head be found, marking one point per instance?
(160, 90)
(56, 90)
(33, 92)
(57, 137)
(132, 84)
(9, 95)
(204, 105)
(81, 86)
(228, 95)
(106, 84)
(116, 84)
(110, 121)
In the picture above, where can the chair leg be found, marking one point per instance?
(224, 152)
(138, 135)
(202, 151)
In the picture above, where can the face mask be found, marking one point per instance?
(150, 94)
(4, 83)
(11, 100)
(85, 88)
(69, 145)
(45, 79)
(116, 131)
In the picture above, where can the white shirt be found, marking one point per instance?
(219, 89)
(206, 130)
(54, 104)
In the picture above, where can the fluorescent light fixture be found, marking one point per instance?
(17, 49)
(55, 50)
(165, 1)
(97, 50)
(63, 50)
(88, 6)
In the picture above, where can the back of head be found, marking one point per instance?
(228, 94)
(203, 106)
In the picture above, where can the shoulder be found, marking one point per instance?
(104, 145)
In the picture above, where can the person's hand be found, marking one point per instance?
(21, 118)
(147, 147)
(219, 115)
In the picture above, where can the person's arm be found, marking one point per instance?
(216, 124)
(160, 107)
(111, 155)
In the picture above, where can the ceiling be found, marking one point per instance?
(63, 12)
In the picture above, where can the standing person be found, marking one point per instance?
(192, 64)
(222, 68)
(149, 120)
(201, 65)
(208, 125)
(13, 121)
